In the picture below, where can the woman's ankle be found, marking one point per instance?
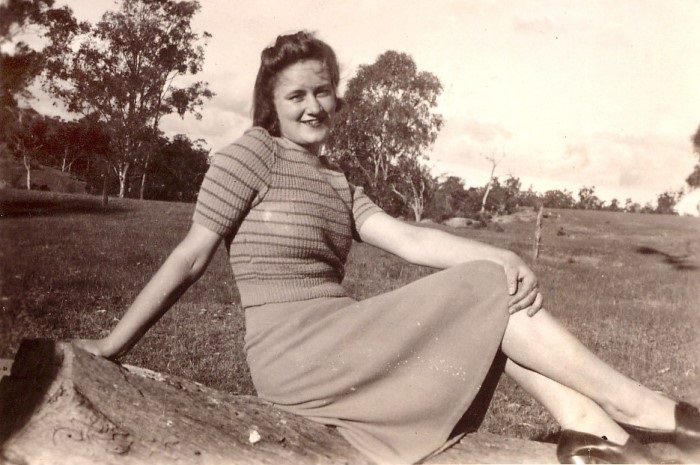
(654, 412)
(596, 423)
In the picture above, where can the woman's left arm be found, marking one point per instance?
(439, 249)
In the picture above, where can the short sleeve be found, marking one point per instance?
(237, 178)
(362, 208)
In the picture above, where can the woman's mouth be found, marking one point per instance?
(314, 123)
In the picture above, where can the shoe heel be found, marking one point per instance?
(581, 459)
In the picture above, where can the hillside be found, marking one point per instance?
(13, 175)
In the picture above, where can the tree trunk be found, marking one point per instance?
(143, 179)
(62, 405)
(494, 164)
(123, 178)
(28, 167)
(417, 212)
(486, 196)
(105, 178)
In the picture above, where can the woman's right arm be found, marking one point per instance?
(186, 263)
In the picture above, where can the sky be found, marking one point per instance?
(565, 93)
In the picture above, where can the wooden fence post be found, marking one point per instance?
(538, 233)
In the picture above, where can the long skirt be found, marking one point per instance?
(394, 373)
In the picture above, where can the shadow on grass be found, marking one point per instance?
(19, 207)
(679, 262)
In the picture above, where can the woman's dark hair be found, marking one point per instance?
(287, 50)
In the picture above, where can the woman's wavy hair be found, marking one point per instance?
(287, 50)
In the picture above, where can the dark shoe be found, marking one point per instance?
(576, 447)
(686, 435)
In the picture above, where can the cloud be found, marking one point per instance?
(218, 127)
(484, 132)
(576, 159)
(231, 101)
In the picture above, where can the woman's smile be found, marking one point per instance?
(305, 102)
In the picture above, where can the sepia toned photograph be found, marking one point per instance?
(349, 232)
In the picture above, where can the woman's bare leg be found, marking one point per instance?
(541, 344)
(569, 408)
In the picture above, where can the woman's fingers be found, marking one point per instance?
(526, 283)
(536, 305)
(528, 300)
(513, 279)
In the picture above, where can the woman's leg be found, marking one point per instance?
(541, 344)
(569, 408)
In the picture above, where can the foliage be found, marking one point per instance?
(26, 133)
(667, 201)
(588, 200)
(179, 166)
(448, 198)
(530, 198)
(504, 198)
(386, 126)
(693, 180)
(559, 199)
(122, 70)
(414, 185)
(19, 67)
(614, 205)
(74, 145)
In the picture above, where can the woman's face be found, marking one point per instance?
(304, 99)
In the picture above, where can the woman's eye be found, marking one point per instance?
(296, 98)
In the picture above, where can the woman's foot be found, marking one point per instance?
(685, 433)
(577, 447)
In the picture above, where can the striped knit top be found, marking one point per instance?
(287, 216)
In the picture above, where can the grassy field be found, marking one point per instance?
(628, 285)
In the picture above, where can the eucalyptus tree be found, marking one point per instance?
(125, 70)
(387, 125)
(693, 179)
(20, 63)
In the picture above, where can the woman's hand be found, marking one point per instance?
(522, 286)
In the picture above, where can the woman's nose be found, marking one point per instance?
(312, 105)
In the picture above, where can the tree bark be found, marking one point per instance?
(143, 179)
(105, 179)
(28, 167)
(123, 178)
(61, 405)
(64, 406)
(143, 186)
(494, 164)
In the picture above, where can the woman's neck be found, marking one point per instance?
(313, 149)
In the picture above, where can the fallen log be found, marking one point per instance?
(62, 405)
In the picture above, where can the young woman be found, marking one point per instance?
(394, 372)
